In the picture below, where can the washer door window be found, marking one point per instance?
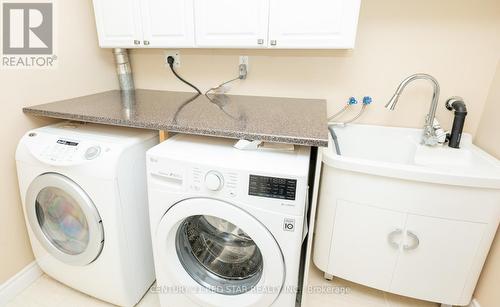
(64, 219)
(219, 255)
(217, 251)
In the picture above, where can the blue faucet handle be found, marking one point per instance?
(367, 100)
(352, 101)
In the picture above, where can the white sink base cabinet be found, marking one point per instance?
(423, 240)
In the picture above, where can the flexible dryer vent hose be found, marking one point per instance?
(123, 69)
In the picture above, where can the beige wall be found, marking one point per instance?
(455, 40)
(488, 133)
(83, 69)
(488, 137)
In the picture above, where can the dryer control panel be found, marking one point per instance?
(58, 150)
(65, 150)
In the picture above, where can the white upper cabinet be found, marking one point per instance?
(232, 23)
(314, 24)
(118, 23)
(145, 23)
(168, 23)
(288, 24)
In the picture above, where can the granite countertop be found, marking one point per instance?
(281, 120)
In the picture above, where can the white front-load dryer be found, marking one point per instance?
(227, 225)
(83, 190)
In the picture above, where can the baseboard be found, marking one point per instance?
(17, 283)
(474, 303)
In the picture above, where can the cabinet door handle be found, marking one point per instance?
(274, 42)
(137, 42)
(260, 41)
(416, 241)
(391, 238)
(146, 43)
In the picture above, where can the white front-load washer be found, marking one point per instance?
(83, 189)
(227, 224)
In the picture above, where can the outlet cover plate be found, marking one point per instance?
(243, 61)
(177, 56)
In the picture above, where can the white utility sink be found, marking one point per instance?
(396, 152)
(405, 218)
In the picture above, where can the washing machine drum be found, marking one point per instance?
(219, 254)
(64, 219)
(211, 246)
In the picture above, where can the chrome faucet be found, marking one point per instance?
(429, 136)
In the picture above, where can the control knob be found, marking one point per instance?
(214, 181)
(92, 152)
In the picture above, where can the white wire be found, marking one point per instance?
(220, 85)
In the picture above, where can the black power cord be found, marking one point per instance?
(170, 61)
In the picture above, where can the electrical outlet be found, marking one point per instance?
(177, 56)
(243, 67)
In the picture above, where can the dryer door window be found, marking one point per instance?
(64, 219)
(219, 255)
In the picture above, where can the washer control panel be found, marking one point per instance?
(272, 187)
(278, 193)
(223, 182)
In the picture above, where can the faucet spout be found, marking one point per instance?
(391, 105)
(429, 137)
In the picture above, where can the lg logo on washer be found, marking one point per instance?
(289, 224)
(28, 35)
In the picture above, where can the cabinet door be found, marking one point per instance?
(168, 23)
(231, 23)
(361, 248)
(437, 266)
(313, 23)
(118, 23)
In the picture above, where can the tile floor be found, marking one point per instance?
(46, 292)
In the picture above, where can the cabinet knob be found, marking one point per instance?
(416, 241)
(146, 43)
(274, 42)
(137, 42)
(260, 41)
(392, 236)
